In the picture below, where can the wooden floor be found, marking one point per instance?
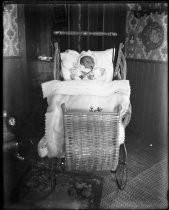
(147, 184)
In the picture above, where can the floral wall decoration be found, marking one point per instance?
(146, 36)
(10, 31)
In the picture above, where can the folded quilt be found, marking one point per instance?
(86, 87)
(79, 95)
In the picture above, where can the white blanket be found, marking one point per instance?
(79, 95)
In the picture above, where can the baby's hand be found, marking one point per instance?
(91, 76)
(75, 76)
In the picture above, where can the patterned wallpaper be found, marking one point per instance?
(10, 30)
(146, 37)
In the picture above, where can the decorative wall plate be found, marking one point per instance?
(152, 36)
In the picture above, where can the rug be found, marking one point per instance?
(61, 190)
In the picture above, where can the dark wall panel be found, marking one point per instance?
(15, 83)
(93, 25)
(97, 17)
(109, 25)
(148, 98)
(74, 25)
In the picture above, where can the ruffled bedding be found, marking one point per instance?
(84, 95)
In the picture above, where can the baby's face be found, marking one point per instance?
(87, 62)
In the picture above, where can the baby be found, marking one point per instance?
(87, 62)
(86, 69)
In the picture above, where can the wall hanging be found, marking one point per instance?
(10, 30)
(146, 33)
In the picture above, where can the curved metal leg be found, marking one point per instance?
(121, 171)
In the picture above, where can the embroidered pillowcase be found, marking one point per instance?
(72, 68)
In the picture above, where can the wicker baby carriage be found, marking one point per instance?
(91, 137)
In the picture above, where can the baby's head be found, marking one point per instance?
(87, 62)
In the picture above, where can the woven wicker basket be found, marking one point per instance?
(91, 140)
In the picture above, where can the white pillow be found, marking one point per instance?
(103, 59)
(68, 59)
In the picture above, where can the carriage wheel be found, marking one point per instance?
(121, 171)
